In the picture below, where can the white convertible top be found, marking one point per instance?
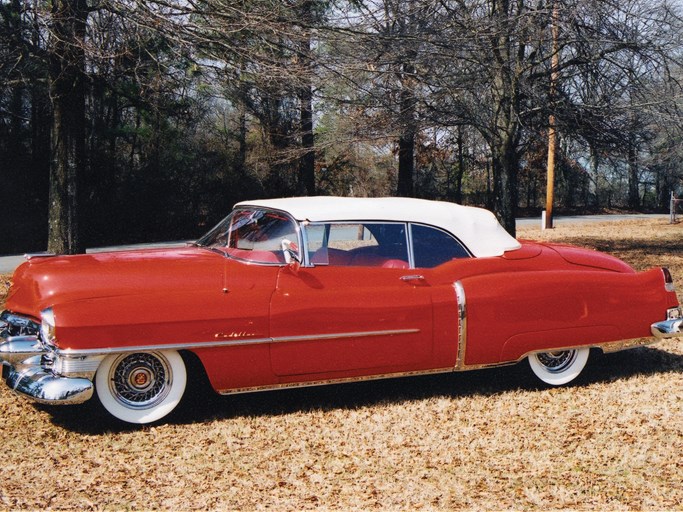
(477, 228)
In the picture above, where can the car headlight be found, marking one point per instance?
(47, 326)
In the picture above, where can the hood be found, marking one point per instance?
(44, 282)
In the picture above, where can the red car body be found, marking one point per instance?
(323, 300)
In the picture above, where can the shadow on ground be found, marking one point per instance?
(202, 405)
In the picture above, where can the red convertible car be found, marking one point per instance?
(319, 290)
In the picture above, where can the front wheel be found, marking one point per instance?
(141, 387)
(560, 366)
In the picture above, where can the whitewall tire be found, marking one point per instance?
(141, 387)
(559, 366)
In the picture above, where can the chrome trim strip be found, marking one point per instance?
(409, 241)
(343, 380)
(217, 344)
(462, 324)
(30, 255)
(607, 348)
(616, 346)
(70, 366)
(484, 366)
(297, 228)
(366, 334)
(303, 247)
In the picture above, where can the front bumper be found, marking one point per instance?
(25, 371)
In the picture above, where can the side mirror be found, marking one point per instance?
(291, 252)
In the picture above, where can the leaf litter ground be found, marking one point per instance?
(485, 440)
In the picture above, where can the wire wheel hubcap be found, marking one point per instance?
(140, 380)
(557, 361)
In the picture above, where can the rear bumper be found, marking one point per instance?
(668, 329)
(23, 370)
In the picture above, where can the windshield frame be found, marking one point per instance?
(225, 228)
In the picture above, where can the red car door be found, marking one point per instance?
(351, 319)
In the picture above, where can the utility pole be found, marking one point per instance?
(552, 135)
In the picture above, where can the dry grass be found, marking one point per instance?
(490, 439)
(5, 280)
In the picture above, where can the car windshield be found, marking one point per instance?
(253, 235)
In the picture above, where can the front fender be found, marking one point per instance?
(181, 317)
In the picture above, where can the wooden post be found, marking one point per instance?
(672, 209)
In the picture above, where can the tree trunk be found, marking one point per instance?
(503, 133)
(504, 159)
(307, 163)
(406, 164)
(633, 196)
(461, 167)
(503, 145)
(241, 162)
(67, 90)
(406, 144)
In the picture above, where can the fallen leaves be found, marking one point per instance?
(485, 440)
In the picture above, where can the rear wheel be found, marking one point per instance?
(141, 387)
(559, 366)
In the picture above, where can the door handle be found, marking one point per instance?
(413, 277)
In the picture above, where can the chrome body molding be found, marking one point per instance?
(616, 346)
(30, 255)
(50, 375)
(462, 324)
(230, 342)
(337, 336)
(668, 329)
(607, 347)
(343, 380)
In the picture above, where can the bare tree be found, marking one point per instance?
(264, 52)
(67, 90)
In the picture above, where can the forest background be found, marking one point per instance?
(141, 120)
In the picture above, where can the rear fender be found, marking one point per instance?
(511, 314)
(522, 344)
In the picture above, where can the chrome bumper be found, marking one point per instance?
(22, 359)
(668, 329)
